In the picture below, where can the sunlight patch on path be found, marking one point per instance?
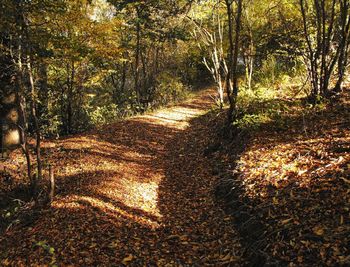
(178, 117)
(78, 202)
(128, 189)
(118, 170)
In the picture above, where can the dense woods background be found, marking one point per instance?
(76, 64)
(92, 62)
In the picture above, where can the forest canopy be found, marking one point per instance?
(92, 62)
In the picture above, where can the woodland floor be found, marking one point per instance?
(137, 192)
(287, 184)
(140, 192)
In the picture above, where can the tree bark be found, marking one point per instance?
(36, 123)
(331, 43)
(232, 77)
(229, 84)
(22, 124)
(70, 84)
(137, 56)
(343, 57)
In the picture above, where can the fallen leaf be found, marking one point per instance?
(128, 259)
(5, 262)
(286, 221)
(318, 230)
(226, 258)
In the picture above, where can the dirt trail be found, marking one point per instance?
(138, 192)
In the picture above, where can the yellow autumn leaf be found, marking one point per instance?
(318, 230)
(226, 258)
(5, 262)
(114, 244)
(286, 221)
(228, 218)
(184, 238)
(127, 259)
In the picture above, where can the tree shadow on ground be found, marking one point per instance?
(291, 215)
(138, 192)
(142, 191)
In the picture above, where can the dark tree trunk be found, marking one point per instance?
(69, 111)
(229, 84)
(232, 76)
(344, 29)
(137, 56)
(36, 125)
(331, 45)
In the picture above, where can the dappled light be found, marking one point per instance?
(127, 190)
(112, 210)
(288, 163)
(177, 117)
(286, 180)
(133, 173)
(175, 133)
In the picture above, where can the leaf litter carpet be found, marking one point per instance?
(138, 192)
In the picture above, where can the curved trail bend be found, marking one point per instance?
(137, 192)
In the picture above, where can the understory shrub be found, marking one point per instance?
(169, 89)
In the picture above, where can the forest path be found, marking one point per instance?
(137, 192)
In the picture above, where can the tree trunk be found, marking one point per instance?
(36, 124)
(343, 57)
(229, 84)
(328, 47)
(70, 99)
(22, 125)
(232, 77)
(137, 57)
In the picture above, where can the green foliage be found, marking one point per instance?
(53, 128)
(96, 61)
(269, 71)
(103, 115)
(262, 106)
(169, 89)
(252, 121)
(10, 211)
(50, 250)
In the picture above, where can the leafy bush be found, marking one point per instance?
(252, 121)
(269, 71)
(103, 115)
(284, 77)
(259, 106)
(51, 124)
(169, 89)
